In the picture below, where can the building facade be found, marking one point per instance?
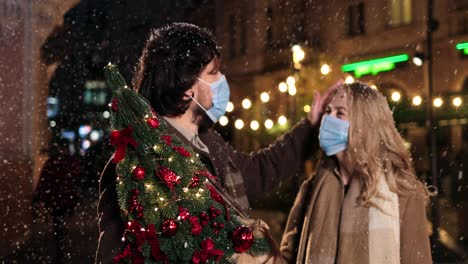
(24, 25)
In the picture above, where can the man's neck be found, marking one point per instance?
(186, 120)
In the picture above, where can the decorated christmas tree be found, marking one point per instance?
(173, 213)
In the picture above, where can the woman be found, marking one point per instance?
(365, 204)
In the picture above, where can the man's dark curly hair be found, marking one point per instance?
(173, 57)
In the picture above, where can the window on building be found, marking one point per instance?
(461, 16)
(461, 5)
(465, 85)
(462, 21)
(269, 30)
(399, 12)
(356, 19)
(232, 36)
(243, 36)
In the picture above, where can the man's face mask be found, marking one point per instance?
(220, 90)
(333, 135)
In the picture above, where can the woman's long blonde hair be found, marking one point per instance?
(374, 144)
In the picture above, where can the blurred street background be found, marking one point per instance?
(54, 113)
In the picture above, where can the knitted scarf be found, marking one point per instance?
(326, 225)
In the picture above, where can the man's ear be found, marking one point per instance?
(189, 93)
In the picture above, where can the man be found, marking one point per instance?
(179, 74)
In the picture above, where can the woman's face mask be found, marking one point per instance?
(221, 92)
(333, 135)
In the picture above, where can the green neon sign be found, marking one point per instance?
(463, 46)
(374, 66)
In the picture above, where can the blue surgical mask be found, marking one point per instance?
(220, 89)
(333, 135)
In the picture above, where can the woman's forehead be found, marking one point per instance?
(340, 98)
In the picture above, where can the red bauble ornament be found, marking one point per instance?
(194, 182)
(221, 225)
(139, 173)
(169, 228)
(242, 238)
(153, 122)
(196, 229)
(114, 104)
(204, 216)
(167, 139)
(212, 209)
(183, 213)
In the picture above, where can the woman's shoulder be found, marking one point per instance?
(418, 192)
(418, 197)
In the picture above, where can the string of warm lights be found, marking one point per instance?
(289, 86)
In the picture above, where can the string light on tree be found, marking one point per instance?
(282, 120)
(417, 100)
(438, 102)
(239, 124)
(246, 103)
(230, 107)
(268, 124)
(264, 97)
(307, 108)
(283, 87)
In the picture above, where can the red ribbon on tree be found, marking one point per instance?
(125, 254)
(121, 139)
(141, 236)
(152, 238)
(208, 251)
(168, 177)
(217, 197)
(205, 174)
(182, 151)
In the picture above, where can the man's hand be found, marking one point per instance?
(316, 110)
